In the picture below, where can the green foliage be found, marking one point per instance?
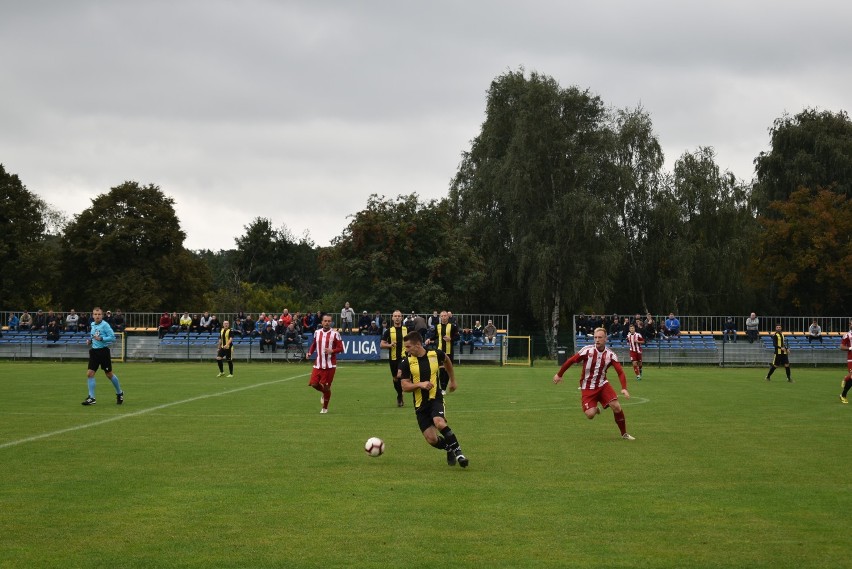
(26, 259)
(127, 250)
(269, 256)
(811, 149)
(804, 253)
(403, 254)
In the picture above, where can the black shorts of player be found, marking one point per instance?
(429, 411)
(394, 365)
(100, 357)
(224, 354)
(781, 360)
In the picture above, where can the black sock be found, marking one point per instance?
(788, 372)
(230, 367)
(452, 442)
(771, 371)
(397, 385)
(441, 444)
(846, 387)
(219, 363)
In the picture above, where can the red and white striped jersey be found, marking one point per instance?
(327, 345)
(635, 341)
(846, 342)
(595, 363)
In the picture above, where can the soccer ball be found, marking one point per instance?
(374, 446)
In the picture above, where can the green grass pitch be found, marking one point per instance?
(195, 471)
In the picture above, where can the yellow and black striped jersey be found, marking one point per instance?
(423, 368)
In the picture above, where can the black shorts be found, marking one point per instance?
(781, 360)
(100, 357)
(428, 411)
(225, 354)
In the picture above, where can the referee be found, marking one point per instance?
(100, 338)
(781, 357)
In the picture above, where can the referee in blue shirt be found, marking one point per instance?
(101, 337)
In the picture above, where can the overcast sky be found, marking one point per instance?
(298, 111)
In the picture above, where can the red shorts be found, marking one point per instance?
(323, 376)
(636, 356)
(603, 395)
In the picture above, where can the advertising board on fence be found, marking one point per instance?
(359, 348)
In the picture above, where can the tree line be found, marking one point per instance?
(560, 205)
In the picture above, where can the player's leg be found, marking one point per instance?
(787, 371)
(618, 415)
(397, 385)
(111, 375)
(219, 364)
(90, 377)
(771, 370)
(451, 442)
(846, 384)
(590, 404)
(325, 383)
(230, 357)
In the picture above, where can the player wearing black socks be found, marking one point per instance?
(419, 373)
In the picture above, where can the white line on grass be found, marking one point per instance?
(143, 412)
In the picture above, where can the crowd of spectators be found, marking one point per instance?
(54, 324)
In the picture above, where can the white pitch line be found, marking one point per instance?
(143, 412)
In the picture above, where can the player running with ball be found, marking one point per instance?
(596, 389)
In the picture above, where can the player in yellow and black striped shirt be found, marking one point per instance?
(392, 339)
(225, 349)
(446, 335)
(780, 358)
(419, 376)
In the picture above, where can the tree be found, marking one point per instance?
(403, 254)
(268, 257)
(811, 149)
(126, 251)
(804, 252)
(532, 191)
(25, 252)
(702, 229)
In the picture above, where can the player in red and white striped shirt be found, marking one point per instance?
(634, 344)
(327, 344)
(846, 344)
(595, 387)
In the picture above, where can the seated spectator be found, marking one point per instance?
(625, 327)
(297, 322)
(14, 321)
(651, 330)
(478, 332)
(84, 323)
(165, 325)
(377, 318)
(196, 324)
(430, 338)
(205, 323)
(39, 322)
(285, 319)
(309, 324)
(490, 332)
(374, 329)
(108, 319)
(466, 339)
(25, 322)
(752, 325)
(268, 338)
(215, 325)
(364, 323)
(248, 328)
(118, 323)
(582, 325)
(175, 322)
(185, 322)
(671, 327)
(729, 331)
(292, 337)
(614, 330)
(71, 321)
(53, 330)
(814, 332)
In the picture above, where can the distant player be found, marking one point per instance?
(446, 335)
(100, 338)
(392, 340)
(225, 349)
(419, 372)
(634, 343)
(846, 344)
(327, 344)
(596, 359)
(781, 358)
